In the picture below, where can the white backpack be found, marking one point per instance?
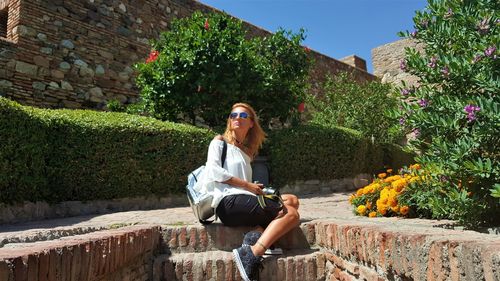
(199, 201)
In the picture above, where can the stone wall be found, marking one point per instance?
(386, 60)
(80, 54)
(123, 254)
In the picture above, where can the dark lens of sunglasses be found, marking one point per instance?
(234, 115)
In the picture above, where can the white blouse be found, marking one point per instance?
(237, 164)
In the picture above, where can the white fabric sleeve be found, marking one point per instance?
(213, 168)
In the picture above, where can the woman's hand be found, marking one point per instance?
(255, 188)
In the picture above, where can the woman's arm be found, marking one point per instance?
(255, 188)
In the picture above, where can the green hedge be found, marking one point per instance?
(324, 153)
(59, 155)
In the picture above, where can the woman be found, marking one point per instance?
(235, 195)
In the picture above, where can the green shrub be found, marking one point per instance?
(324, 153)
(454, 112)
(60, 155)
(359, 106)
(205, 63)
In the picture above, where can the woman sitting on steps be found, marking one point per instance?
(236, 197)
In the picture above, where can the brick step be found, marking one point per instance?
(294, 265)
(183, 239)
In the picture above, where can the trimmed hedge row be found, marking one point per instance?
(62, 155)
(319, 152)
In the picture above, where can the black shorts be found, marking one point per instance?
(244, 210)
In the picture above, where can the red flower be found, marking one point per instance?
(306, 49)
(206, 25)
(301, 107)
(152, 56)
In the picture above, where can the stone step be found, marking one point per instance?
(294, 265)
(183, 239)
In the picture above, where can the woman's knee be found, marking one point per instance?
(291, 200)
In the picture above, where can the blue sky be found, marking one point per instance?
(336, 28)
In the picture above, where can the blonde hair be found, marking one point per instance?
(255, 136)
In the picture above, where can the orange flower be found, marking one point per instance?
(415, 167)
(372, 214)
(382, 175)
(404, 210)
(389, 171)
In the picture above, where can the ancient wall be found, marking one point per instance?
(80, 54)
(386, 61)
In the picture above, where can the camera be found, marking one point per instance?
(270, 191)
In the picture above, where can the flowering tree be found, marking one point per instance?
(454, 111)
(205, 63)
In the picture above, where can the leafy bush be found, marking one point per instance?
(205, 63)
(359, 106)
(454, 112)
(317, 152)
(61, 155)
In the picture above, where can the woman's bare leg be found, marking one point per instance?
(276, 229)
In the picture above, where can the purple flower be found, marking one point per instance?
(471, 117)
(423, 103)
(445, 71)
(490, 51)
(402, 120)
(405, 92)
(448, 14)
(432, 62)
(477, 58)
(413, 34)
(403, 66)
(483, 27)
(471, 112)
(470, 108)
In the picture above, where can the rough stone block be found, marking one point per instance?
(26, 68)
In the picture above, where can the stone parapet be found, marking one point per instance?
(376, 252)
(122, 254)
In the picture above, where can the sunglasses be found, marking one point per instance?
(242, 115)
